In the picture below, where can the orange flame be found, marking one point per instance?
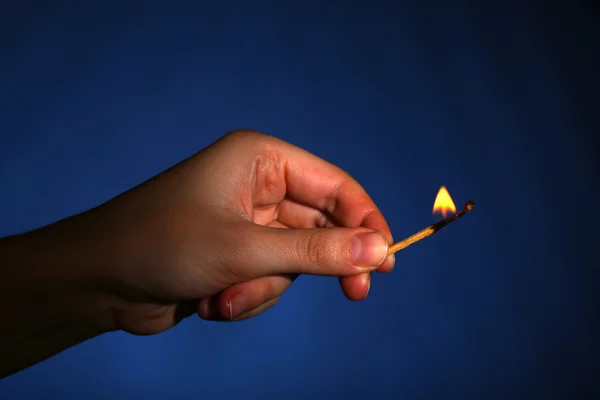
(443, 203)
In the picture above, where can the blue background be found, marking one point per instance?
(498, 104)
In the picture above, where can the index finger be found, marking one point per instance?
(316, 183)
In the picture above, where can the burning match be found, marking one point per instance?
(444, 204)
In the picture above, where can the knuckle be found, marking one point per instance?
(251, 140)
(316, 249)
(245, 135)
(268, 289)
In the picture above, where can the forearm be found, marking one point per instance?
(50, 297)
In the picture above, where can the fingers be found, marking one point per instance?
(258, 310)
(321, 185)
(243, 298)
(356, 287)
(296, 215)
(328, 251)
(281, 170)
(312, 193)
(320, 194)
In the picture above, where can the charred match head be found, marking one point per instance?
(470, 204)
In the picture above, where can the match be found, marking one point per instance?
(430, 230)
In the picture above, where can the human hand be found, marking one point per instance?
(205, 236)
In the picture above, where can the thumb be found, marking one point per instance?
(324, 251)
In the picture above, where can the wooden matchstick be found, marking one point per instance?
(430, 230)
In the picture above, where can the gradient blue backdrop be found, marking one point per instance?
(498, 104)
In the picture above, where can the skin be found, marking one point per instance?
(222, 234)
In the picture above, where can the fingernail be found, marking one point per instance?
(237, 306)
(369, 249)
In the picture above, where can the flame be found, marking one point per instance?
(443, 203)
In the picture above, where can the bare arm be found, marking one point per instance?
(49, 294)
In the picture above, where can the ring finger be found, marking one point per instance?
(244, 297)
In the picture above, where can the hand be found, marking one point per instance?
(225, 232)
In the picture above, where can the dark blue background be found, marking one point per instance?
(498, 104)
